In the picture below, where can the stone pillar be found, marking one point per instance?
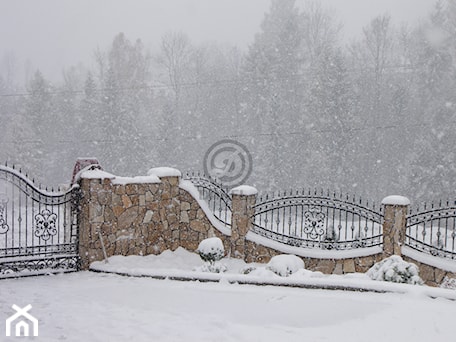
(96, 196)
(243, 202)
(394, 225)
(170, 209)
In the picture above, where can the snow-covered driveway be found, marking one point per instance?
(89, 306)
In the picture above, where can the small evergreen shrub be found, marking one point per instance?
(211, 251)
(449, 283)
(395, 269)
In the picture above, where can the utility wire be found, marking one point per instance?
(304, 132)
(236, 81)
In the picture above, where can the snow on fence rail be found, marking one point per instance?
(312, 219)
(215, 195)
(432, 229)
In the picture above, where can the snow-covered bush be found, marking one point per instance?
(247, 269)
(449, 283)
(284, 265)
(396, 270)
(211, 250)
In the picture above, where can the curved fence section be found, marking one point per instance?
(214, 194)
(38, 228)
(432, 229)
(318, 220)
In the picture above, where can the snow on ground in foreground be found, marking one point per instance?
(89, 306)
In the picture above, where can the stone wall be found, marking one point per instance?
(138, 219)
(150, 217)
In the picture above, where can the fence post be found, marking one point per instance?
(243, 201)
(394, 224)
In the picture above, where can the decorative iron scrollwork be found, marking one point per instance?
(45, 224)
(314, 223)
(40, 266)
(3, 225)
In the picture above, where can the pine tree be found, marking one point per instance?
(270, 95)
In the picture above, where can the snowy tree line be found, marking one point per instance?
(374, 116)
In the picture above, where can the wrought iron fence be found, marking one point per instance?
(38, 228)
(321, 220)
(432, 229)
(215, 195)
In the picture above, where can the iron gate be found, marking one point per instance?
(38, 228)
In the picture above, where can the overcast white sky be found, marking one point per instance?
(54, 34)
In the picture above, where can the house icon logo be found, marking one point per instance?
(21, 322)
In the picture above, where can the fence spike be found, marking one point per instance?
(14, 167)
(6, 163)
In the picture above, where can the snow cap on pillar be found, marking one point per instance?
(244, 190)
(164, 172)
(396, 200)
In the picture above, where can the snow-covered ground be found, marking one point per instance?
(89, 306)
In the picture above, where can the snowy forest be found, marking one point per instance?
(373, 116)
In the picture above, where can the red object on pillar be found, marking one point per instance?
(82, 163)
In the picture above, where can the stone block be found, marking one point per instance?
(339, 268)
(184, 217)
(198, 226)
(116, 200)
(126, 219)
(325, 266)
(439, 275)
(104, 197)
(126, 201)
(149, 197)
(172, 219)
(426, 272)
(148, 216)
(131, 189)
(349, 266)
(200, 214)
(184, 206)
(119, 189)
(118, 210)
(134, 200)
